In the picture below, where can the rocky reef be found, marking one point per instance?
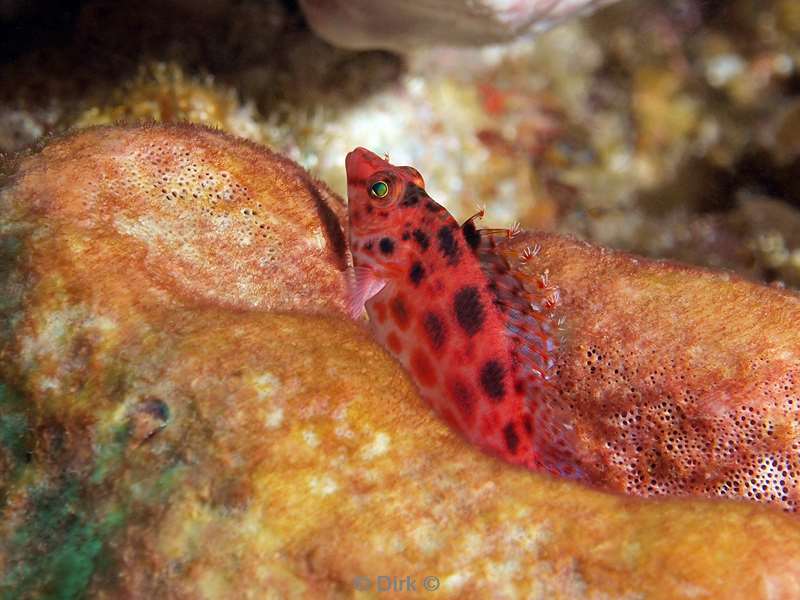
(186, 412)
(663, 129)
(159, 437)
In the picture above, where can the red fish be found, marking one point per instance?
(477, 336)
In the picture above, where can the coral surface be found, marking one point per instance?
(200, 218)
(159, 438)
(672, 379)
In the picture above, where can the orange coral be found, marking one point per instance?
(248, 229)
(675, 380)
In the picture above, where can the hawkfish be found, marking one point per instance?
(638, 376)
(477, 335)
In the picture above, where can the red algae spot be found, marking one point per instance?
(395, 345)
(422, 368)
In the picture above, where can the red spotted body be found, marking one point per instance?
(477, 336)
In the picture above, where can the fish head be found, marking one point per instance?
(385, 204)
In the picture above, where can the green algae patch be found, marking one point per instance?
(58, 547)
(10, 290)
(56, 553)
(16, 442)
(13, 435)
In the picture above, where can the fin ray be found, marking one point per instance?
(362, 284)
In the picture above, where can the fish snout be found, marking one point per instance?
(361, 163)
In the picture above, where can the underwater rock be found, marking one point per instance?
(157, 436)
(404, 26)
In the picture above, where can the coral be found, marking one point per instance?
(205, 214)
(671, 379)
(159, 438)
(164, 93)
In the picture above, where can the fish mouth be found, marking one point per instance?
(361, 163)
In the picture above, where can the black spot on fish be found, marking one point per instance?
(449, 245)
(386, 245)
(412, 195)
(406, 236)
(469, 310)
(512, 440)
(432, 206)
(369, 208)
(526, 422)
(368, 245)
(492, 374)
(421, 238)
(417, 273)
(435, 329)
(471, 235)
(399, 311)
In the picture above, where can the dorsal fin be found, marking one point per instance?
(528, 301)
(530, 304)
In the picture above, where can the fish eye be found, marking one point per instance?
(379, 189)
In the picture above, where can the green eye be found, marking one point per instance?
(379, 189)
